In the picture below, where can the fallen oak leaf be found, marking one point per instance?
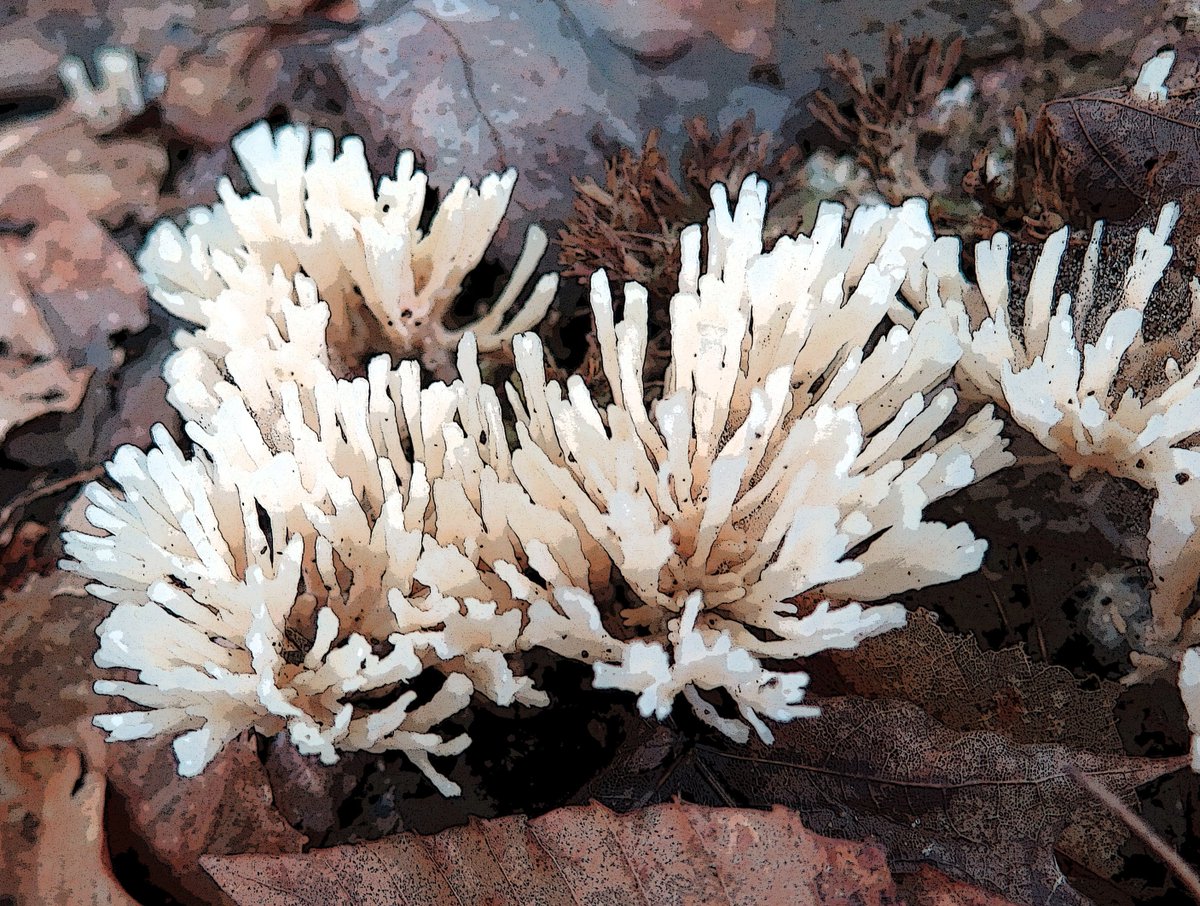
(83, 282)
(79, 147)
(222, 73)
(47, 631)
(668, 854)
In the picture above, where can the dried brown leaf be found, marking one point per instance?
(223, 72)
(309, 794)
(669, 854)
(52, 846)
(232, 81)
(1105, 155)
(227, 809)
(106, 174)
(965, 688)
(1118, 154)
(66, 287)
(64, 258)
(974, 805)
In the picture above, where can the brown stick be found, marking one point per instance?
(1143, 831)
(18, 503)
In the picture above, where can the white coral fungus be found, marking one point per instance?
(299, 580)
(117, 93)
(331, 539)
(1067, 392)
(314, 217)
(785, 466)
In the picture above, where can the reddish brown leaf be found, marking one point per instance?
(309, 794)
(668, 854)
(47, 636)
(52, 848)
(228, 808)
(67, 288)
(929, 887)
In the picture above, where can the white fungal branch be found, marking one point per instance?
(1065, 391)
(266, 584)
(1066, 395)
(388, 282)
(777, 448)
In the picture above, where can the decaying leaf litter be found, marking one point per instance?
(1022, 715)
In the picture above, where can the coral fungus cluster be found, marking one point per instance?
(1079, 374)
(346, 523)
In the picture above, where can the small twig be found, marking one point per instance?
(999, 604)
(8, 514)
(1143, 831)
(1032, 605)
(711, 779)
